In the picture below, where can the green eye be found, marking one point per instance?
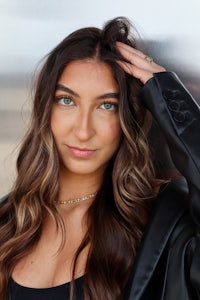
(109, 106)
(66, 101)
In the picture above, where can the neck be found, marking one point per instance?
(76, 185)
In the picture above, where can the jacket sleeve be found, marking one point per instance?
(178, 116)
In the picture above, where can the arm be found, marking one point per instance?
(176, 112)
(178, 115)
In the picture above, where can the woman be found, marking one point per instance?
(79, 222)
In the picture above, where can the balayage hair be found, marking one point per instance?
(118, 215)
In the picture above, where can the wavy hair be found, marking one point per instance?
(129, 186)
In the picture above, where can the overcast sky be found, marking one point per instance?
(30, 28)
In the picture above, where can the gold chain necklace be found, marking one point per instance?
(77, 200)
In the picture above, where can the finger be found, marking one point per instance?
(130, 49)
(135, 57)
(138, 58)
(141, 74)
(140, 61)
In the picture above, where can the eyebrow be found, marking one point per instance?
(61, 87)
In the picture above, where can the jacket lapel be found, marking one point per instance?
(168, 209)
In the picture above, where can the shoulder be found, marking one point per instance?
(165, 235)
(172, 202)
(168, 214)
(171, 213)
(174, 194)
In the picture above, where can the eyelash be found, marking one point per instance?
(114, 104)
(60, 98)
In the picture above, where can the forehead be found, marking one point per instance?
(89, 73)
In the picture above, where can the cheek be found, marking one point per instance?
(56, 124)
(113, 133)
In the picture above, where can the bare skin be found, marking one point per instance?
(44, 266)
(84, 116)
(139, 65)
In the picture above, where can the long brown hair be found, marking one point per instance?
(120, 211)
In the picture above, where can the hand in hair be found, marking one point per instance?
(137, 64)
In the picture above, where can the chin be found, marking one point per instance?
(83, 170)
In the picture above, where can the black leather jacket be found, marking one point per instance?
(168, 262)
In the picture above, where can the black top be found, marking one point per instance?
(61, 292)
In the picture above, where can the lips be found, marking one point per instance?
(81, 152)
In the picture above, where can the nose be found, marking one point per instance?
(84, 126)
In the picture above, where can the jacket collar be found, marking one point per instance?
(169, 207)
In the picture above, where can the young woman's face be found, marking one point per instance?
(84, 119)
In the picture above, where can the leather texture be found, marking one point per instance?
(167, 266)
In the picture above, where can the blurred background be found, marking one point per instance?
(30, 29)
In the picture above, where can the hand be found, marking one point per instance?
(139, 65)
